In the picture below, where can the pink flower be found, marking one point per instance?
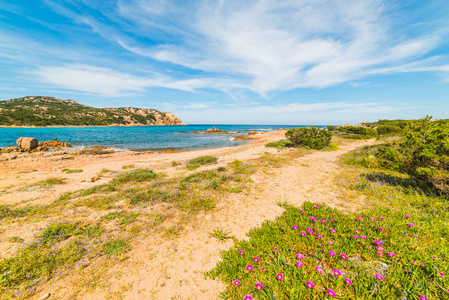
(372, 219)
(422, 297)
(300, 256)
(310, 284)
(332, 220)
(378, 276)
(331, 243)
(354, 236)
(441, 274)
(380, 254)
(348, 281)
(391, 254)
(249, 267)
(331, 292)
(316, 206)
(381, 218)
(236, 282)
(407, 216)
(333, 230)
(319, 270)
(299, 264)
(434, 257)
(337, 273)
(303, 233)
(332, 253)
(378, 243)
(319, 236)
(344, 256)
(259, 286)
(380, 228)
(358, 219)
(363, 237)
(323, 221)
(410, 224)
(295, 227)
(248, 297)
(242, 252)
(280, 276)
(380, 249)
(275, 249)
(256, 259)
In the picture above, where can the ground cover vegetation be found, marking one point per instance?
(389, 241)
(80, 227)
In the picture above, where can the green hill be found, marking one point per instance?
(50, 111)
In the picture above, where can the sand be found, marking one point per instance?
(158, 268)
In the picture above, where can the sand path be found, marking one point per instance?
(174, 269)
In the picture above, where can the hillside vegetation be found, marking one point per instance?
(50, 111)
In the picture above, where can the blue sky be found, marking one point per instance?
(233, 62)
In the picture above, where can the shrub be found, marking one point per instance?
(311, 137)
(280, 144)
(203, 160)
(422, 154)
(388, 129)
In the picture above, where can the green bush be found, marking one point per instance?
(312, 137)
(388, 129)
(203, 160)
(280, 144)
(422, 154)
(357, 133)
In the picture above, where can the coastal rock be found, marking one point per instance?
(96, 147)
(27, 143)
(95, 178)
(252, 132)
(54, 144)
(346, 125)
(212, 131)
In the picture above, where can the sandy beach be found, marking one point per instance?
(157, 266)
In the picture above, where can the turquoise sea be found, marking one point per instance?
(137, 138)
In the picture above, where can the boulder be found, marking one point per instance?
(96, 147)
(27, 143)
(252, 132)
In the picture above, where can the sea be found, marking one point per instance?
(138, 138)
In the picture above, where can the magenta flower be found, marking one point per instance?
(249, 267)
(332, 253)
(242, 252)
(295, 227)
(332, 220)
(348, 281)
(330, 242)
(300, 256)
(380, 249)
(344, 256)
(391, 254)
(303, 233)
(381, 218)
(354, 236)
(358, 219)
(248, 297)
(407, 216)
(380, 228)
(363, 237)
(434, 257)
(331, 292)
(236, 282)
(259, 286)
(410, 224)
(378, 276)
(422, 297)
(256, 259)
(323, 221)
(319, 270)
(337, 273)
(441, 274)
(333, 230)
(378, 243)
(319, 236)
(372, 219)
(275, 249)
(316, 206)
(310, 284)
(299, 264)
(280, 276)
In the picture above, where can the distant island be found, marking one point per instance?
(41, 111)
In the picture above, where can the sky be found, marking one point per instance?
(309, 62)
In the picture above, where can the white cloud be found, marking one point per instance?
(106, 81)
